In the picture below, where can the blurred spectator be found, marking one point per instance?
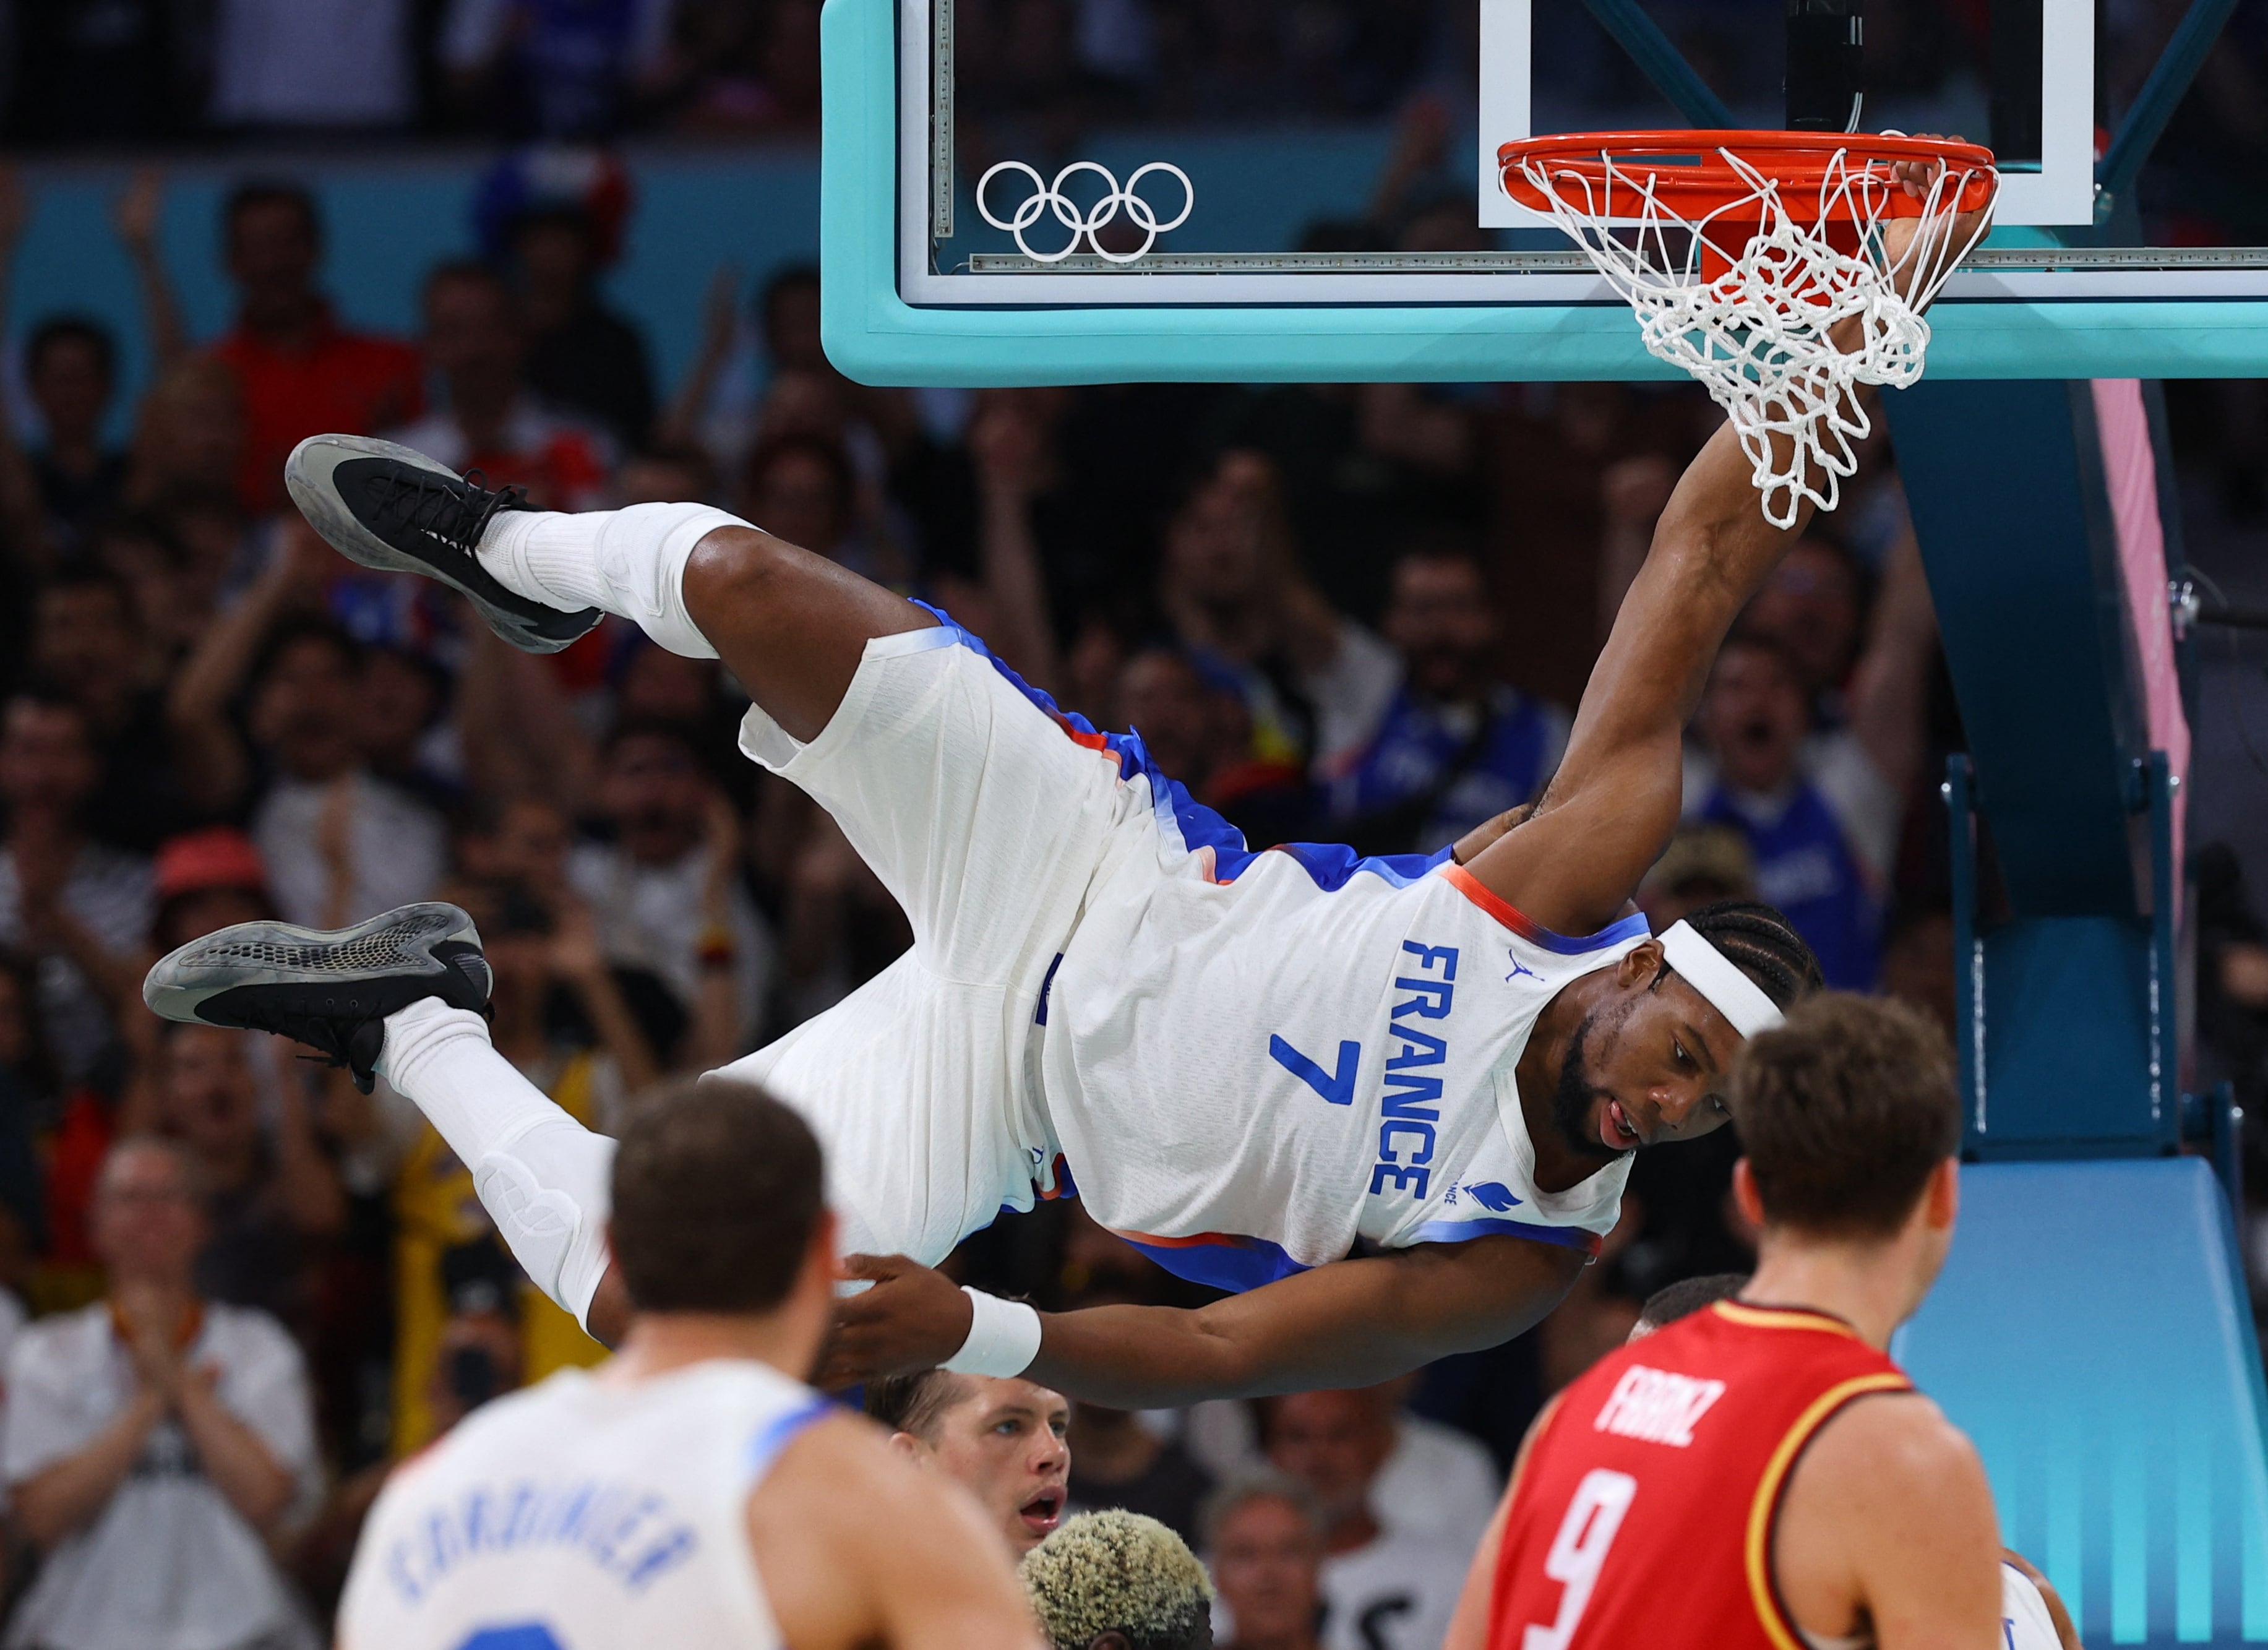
(746, 67)
(839, 926)
(82, 908)
(665, 897)
(87, 644)
(207, 879)
(1161, 696)
(1567, 469)
(582, 356)
(1264, 1544)
(156, 1442)
(1117, 1460)
(476, 340)
(680, 474)
(1385, 1590)
(301, 371)
(588, 1058)
(552, 68)
(1702, 865)
(271, 1195)
(1813, 604)
(189, 438)
(1454, 748)
(1001, 1439)
(290, 65)
(67, 1130)
(1312, 682)
(1116, 1580)
(401, 696)
(71, 367)
(1821, 816)
(339, 844)
(1438, 1482)
(801, 487)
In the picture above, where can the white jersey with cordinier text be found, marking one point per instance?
(1249, 1061)
(583, 1513)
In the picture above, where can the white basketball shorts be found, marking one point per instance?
(987, 819)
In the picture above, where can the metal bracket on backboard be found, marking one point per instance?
(940, 120)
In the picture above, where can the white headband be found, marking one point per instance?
(1710, 972)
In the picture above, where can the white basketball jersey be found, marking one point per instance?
(2025, 1623)
(1251, 1061)
(579, 1514)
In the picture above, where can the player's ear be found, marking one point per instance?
(1746, 1199)
(1639, 965)
(1944, 1195)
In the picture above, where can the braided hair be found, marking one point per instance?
(1762, 945)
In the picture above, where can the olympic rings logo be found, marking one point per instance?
(1046, 197)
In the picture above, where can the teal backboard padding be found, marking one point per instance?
(873, 335)
(2091, 1334)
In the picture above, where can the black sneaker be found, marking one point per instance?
(393, 508)
(331, 990)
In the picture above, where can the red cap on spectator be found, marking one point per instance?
(219, 857)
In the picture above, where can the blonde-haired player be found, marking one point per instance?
(1116, 1580)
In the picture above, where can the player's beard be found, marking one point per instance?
(1572, 1107)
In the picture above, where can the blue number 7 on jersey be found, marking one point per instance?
(1335, 1087)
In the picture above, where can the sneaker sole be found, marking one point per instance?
(394, 951)
(307, 476)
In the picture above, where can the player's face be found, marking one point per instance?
(1004, 1441)
(1646, 1071)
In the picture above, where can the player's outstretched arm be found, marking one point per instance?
(1610, 810)
(1888, 1519)
(858, 1548)
(1348, 1324)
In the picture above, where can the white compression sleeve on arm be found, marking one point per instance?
(630, 562)
(543, 1176)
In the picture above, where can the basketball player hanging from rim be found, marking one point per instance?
(1244, 1064)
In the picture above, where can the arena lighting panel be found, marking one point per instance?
(919, 290)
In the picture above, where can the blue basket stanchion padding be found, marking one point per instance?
(2091, 1333)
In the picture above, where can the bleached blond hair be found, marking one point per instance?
(1117, 1570)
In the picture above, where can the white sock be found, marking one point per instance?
(630, 562)
(543, 1177)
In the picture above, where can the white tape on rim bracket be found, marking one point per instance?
(1712, 973)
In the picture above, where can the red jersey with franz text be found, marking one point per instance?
(1645, 1510)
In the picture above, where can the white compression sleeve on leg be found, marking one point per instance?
(630, 562)
(543, 1176)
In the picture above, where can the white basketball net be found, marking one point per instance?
(1757, 336)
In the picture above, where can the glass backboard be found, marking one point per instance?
(1280, 227)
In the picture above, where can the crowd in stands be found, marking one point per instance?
(236, 1289)
(106, 73)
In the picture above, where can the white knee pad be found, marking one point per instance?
(642, 552)
(549, 1192)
